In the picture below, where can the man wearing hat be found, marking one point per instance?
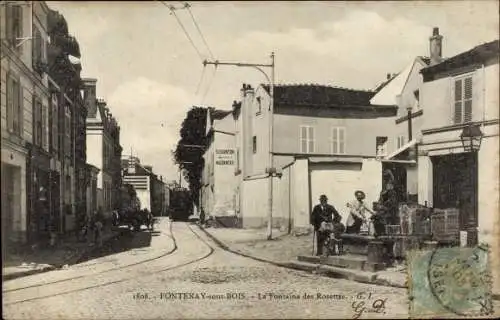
(323, 212)
(357, 214)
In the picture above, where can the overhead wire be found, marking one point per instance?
(172, 10)
(188, 6)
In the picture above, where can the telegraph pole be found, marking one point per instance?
(270, 169)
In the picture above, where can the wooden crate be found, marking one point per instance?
(393, 229)
(445, 224)
(413, 219)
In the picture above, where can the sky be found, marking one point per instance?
(150, 75)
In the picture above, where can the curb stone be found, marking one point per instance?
(74, 258)
(330, 271)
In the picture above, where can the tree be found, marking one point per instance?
(187, 157)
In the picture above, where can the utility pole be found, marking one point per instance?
(270, 169)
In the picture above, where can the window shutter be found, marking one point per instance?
(335, 141)
(19, 17)
(21, 110)
(9, 21)
(341, 140)
(467, 99)
(311, 139)
(16, 106)
(10, 104)
(458, 102)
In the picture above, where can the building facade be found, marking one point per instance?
(219, 177)
(317, 149)
(68, 172)
(461, 91)
(103, 148)
(23, 78)
(149, 187)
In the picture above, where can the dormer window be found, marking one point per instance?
(259, 105)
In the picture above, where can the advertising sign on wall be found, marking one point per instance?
(224, 157)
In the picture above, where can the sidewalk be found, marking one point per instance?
(67, 251)
(284, 249)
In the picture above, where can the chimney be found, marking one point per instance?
(89, 93)
(388, 76)
(435, 45)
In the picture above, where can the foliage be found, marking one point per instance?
(187, 155)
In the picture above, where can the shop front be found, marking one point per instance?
(39, 204)
(458, 173)
(455, 186)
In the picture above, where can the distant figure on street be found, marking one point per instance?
(202, 216)
(98, 226)
(325, 220)
(357, 214)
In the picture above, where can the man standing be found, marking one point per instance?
(323, 212)
(357, 214)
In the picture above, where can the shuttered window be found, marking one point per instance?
(54, 122)
(306, 139)
(337, 141)
(37, 122)
(14, 25)
(400, 141)
(14, 112)
(463, 100)
(67, 129)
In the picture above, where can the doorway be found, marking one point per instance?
(455, 186)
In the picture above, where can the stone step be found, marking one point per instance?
(336, 272)
(348, 261)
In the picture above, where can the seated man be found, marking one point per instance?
(324, 217)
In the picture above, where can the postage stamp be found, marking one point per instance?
(450, 282)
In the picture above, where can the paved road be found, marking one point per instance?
(178, 272)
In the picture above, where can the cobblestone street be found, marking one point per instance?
(183, 274)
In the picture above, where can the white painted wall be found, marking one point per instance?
(94, 153)
(254, 195)
(300, 194)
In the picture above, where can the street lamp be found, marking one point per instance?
(471, 137)
(270, 169)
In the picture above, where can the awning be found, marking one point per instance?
(402, 149)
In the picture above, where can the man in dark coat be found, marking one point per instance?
(323, 212)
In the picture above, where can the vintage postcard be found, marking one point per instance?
(250, 159)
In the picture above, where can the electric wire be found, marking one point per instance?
(199, 30)
(172, 10)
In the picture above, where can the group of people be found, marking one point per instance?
(327, 221)
(93, 226)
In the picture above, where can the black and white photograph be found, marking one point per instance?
(250, 159)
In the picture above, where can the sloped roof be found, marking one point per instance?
(387, 95)
(216, 114)
(477, 54)
(319, 95)
(388, 91)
